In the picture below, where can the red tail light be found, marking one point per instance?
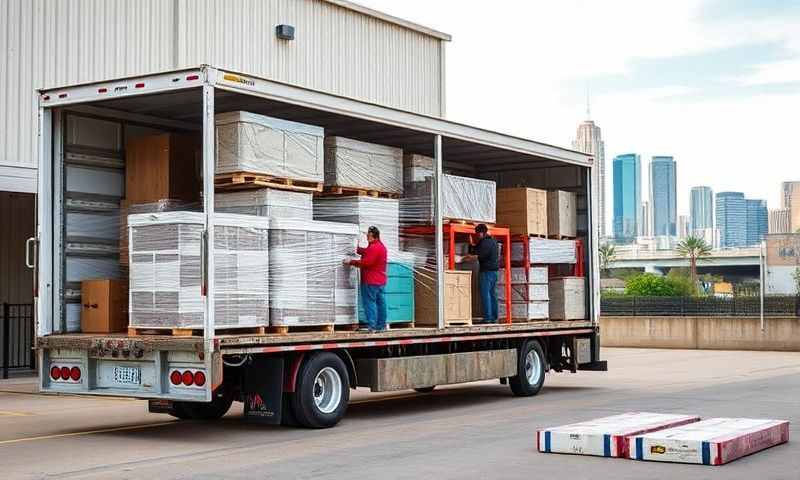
(175, 377)
(188, 378)
(199, 378)
(139, 85)
(55, 373)
(65, 373)
(75, 374)
(192, 77)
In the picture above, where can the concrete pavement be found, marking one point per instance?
(470, 431)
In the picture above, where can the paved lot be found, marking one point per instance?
(473, 431)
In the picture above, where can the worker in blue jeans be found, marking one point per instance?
(373, 280)
(486, 251)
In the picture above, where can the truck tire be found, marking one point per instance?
(530, 370)
(322, 391)
(213, 410)
(425, 389)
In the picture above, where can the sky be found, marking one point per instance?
(714, 83)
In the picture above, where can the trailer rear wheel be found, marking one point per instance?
(530, 370)
(213, 410)
(322, 391)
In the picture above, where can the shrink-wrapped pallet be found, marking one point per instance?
(363, 166)
(165, 270)
(364, 211)
(257, 144)
(266, 202)
(127, 208)
(544, 250)
(568, 298)
(535, 310)
(463, 198)
(529, 274)
(309, 284)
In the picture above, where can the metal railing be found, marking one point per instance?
(774, 305)
(16, 337)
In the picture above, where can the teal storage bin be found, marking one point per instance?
(399, 294)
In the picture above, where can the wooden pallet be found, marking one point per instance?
(287, 329)
(244, 180)
(399, 325)
(330, 191)
(561, 237)
(461, 221)
(193, 332)
(349, 327)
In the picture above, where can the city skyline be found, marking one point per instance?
(627, 183)
(663, 199)
(589, 139)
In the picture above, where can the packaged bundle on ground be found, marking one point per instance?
(248, 142)
(714, 441)
(607, 436)
(365, 211)
(266, 202)
(363, 166)
(165, 270)
(524, 210)
(561, 214)
(543, 250)
(568, 298)
(309, 284)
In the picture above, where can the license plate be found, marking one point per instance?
(128, 375)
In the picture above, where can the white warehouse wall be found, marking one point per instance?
(337, 49)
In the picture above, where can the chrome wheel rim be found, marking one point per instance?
(327, 390)
(533, 371)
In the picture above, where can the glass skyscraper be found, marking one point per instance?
(731, 213)
(663, 196)
(627, 196)
(701, 209)
(757, 221)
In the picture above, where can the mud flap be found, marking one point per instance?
(263, 390)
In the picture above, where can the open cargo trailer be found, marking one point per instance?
(296, 378)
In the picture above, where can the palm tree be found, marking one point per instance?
(694, 248)
(608, 253)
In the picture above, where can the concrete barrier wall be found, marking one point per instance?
(706, 333)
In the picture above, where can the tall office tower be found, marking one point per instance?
(731, 217)
(627, 196)
(663, 196)
(683, 226)
(701, 208)
(646, 220)
(780, 220)
(757, 221)
(791, 201)
(589, 140)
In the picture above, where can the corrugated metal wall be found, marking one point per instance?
(50, 43)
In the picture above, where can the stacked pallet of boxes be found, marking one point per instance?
(529, 293)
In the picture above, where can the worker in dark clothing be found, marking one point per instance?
(373, 280)
(486, 252)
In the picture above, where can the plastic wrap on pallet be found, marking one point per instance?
(360, 165)
(530, 274)
(102, 226)
(416, 168)
(163, 205)
(266, 202)
(165, 270)
(545, 250)
(463, 198)
(364, 211)
(248, 142)
(309, 283)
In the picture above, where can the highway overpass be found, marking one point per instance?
(736, 261)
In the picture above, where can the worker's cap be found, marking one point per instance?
(481, 228)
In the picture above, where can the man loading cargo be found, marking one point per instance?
(486, 252)
(373, 280)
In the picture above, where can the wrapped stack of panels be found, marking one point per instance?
(607, 436)
(266, 202)
(248, 142)
(127, 208)
(364, 211)
(470, 199)
(529, 293)
(543, 250)
(363, 166)
(568, 298)
(561, 214)
(309, 285)
(714, 441)
(165, 270)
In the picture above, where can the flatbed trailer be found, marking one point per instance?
(298, 378)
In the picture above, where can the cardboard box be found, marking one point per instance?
(523, 210)
(457, 298)
(561, 214)
(104, 306)
(525, 311)
(568, 298)
(162, 166)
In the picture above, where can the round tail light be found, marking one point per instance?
(55, 373)
(199, 378)
(65, 373)
(188, 378)
(75, 374)
(175, 377)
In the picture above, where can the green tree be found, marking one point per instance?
(796, 276)
(649, 285)
(693, 248)
(608, 253)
